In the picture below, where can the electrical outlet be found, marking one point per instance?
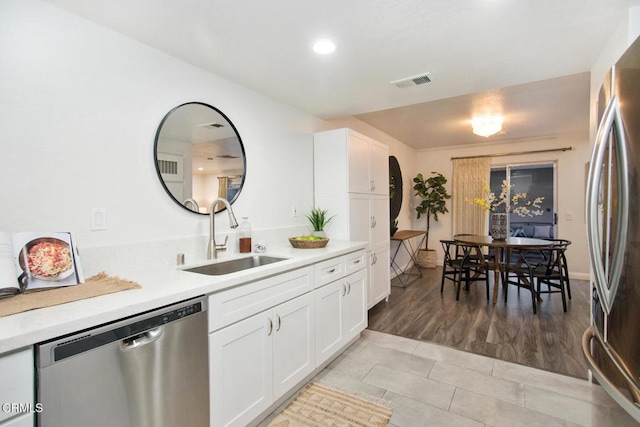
(98, 219)
(294, 211)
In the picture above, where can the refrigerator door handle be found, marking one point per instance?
(611, 120)
(631, 407)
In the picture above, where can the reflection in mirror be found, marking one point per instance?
(199, 156)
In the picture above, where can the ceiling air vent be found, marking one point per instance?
(212, 125)
(224, 156)
(412, 81)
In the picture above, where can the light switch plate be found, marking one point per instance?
(98, 219)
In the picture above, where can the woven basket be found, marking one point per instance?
(308, 244)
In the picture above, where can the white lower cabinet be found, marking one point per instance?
(379, 276)
(255, 361)
(294, 343)
(240, 371)
(355, 318)
(17, 388)
(269, 336)
(329, 319)
(340, 313)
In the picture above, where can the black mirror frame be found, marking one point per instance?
(155, 155)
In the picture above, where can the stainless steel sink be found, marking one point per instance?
(234, 265)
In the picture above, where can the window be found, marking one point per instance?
(537, 180)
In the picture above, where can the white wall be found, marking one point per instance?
(80, 106)
(571, 180)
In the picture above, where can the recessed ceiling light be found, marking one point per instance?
(323, 47)
(200, 168)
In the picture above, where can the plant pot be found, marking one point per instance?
(319, 234)
(427, 258)
(499, 226)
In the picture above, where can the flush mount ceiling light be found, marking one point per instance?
(323, 47)
(486, 125)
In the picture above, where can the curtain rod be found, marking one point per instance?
(516, 153)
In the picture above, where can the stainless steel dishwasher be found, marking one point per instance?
(147, 370)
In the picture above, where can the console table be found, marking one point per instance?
(404, 238)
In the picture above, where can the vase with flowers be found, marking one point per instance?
(518, 203)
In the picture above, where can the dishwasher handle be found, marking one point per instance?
(139, 340)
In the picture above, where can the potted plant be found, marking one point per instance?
(319, 220)
(434, 198)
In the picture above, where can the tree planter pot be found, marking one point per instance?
(427, 258)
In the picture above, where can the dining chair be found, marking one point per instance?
(517, 270)
(490, 256)
(529, 274)
(563, 261)
(463, 262)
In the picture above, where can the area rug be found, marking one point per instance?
(321, 405)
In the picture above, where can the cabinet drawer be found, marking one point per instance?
(330, 270)
(355, 261)
(238, 303)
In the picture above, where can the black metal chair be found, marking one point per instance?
(531, 273)
(463, 262)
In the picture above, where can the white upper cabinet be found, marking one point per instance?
(358, 160)
(379, 168)
(350, 162)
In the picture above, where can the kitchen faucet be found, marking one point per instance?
(193, 203)
(212, 250)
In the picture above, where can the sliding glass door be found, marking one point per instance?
(536, 180)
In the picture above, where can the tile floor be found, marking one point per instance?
(434, 385)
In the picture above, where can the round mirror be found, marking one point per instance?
(199, 156)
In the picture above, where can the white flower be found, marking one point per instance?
(518, 204)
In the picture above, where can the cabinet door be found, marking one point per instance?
(17, 378)
(379, 168)
(379, 279)
(380, 230)
(293, 343)
(240, 370)
(359, 181)
(329, 312)
(360, 218)
(355, 304)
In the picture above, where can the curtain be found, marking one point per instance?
(469, 176)
(223, 183)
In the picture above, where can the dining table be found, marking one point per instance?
(500, 246)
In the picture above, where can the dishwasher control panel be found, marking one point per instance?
(71, 345)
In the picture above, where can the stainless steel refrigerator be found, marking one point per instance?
(612, 343)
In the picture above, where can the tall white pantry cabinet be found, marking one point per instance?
(351, 181)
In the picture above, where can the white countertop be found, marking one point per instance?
(160, 286)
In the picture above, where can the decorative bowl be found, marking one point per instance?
(308, 244)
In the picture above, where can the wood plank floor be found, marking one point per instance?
(549, 340)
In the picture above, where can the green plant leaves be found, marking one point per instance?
(318, 218)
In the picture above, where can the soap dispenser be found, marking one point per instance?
(244, 236)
